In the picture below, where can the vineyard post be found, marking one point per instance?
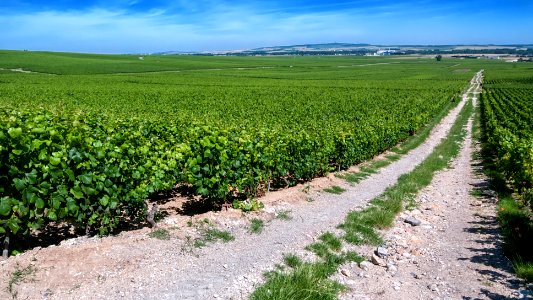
(5, 252)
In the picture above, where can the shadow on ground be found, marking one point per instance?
(489, 249)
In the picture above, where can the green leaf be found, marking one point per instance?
(2, 230)
(39, 203)
(46, 186)
(113, 204)
(38, 130)
(75, 155)
(14, 132)
(36, 144)
(52, 215)
(5, 206)
(32, 177)
(72, 207)
(203, 191)
(56, 202)
(20, 184)
(43, 155)
(88, 190)
(13, 225)
(62, 190)
(77, 192)
(54, 161)
(104, 200)
(86, 178)
(70, 174)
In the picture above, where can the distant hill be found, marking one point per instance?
(369, 49)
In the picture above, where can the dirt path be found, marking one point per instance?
(20, 70)
(365, 65)
(454, 254)
(134, 266)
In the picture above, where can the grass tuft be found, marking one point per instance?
(353, 177)
(160, 234)
(284, 215)
(307, 281)
(256, 226)
(292, 260)
(335, 190)
(331, 241)
(214, 234)
(207, 234)
(19, 275)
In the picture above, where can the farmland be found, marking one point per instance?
(508, 111)
(507, 116)
(86, 139)
(89, 147)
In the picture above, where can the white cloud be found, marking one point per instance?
(99, 30)
(215, 24)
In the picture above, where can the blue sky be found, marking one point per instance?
(138, 26)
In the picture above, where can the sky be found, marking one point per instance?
(139, 26)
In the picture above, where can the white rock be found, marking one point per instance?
(382, 252)
(378, 261)
(365, 265)
(392, 268)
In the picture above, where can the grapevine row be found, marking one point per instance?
(508, 117)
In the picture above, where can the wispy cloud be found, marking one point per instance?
(119, 26)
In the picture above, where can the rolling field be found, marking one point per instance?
(89, 137)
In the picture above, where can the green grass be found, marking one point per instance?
(213, 235)
(207, 233)
(311, 280)
(160, 234)
(292, 260)
(20, 275)
(284, 215)
(523, 269)
(353, 177)
(331, 241)
(305, 281)
(256, 226)
(335, 190)
(516, 225)
(375, 165)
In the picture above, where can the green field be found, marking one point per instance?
(88, 137)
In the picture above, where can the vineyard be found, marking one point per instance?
(507, 117)
(507, 107)
(88, 138)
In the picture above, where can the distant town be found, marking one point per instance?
(507, 52)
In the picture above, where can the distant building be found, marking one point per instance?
(381, 52)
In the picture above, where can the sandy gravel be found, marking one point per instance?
(132, 265)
